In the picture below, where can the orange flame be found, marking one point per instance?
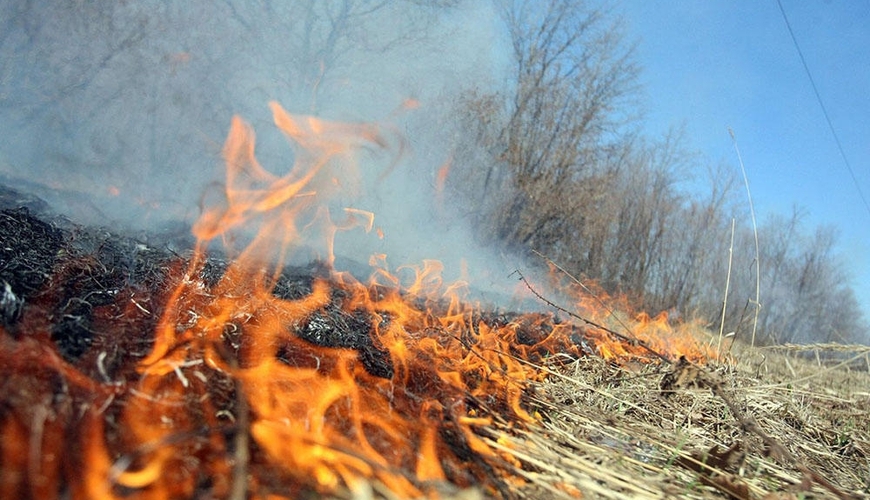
(319, 412)
(326, 384)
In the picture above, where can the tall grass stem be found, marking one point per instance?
(757, 301)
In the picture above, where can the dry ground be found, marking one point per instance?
(664, 431)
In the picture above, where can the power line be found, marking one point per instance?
(824, 109)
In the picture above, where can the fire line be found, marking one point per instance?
(214, 376)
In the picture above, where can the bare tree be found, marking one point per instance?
(556, 123)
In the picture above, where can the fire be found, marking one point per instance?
(252, 386)
(642, 335)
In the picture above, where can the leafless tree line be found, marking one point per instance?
(553, 163)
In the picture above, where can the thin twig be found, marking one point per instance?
(586, 288)
(625, 338)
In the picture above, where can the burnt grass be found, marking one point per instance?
(74, 275)
(69, 278)
(95, 297)
(79, 305)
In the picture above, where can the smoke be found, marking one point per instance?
(116, 112)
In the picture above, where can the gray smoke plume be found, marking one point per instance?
(116, 112)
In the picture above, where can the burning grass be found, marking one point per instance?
(81, 420)
(130, 371)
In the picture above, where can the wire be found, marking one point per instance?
(824, 109)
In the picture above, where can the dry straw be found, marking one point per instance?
(613, 432)
(780, 429)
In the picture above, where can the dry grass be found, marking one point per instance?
(612, 432)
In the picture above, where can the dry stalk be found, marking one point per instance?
(757, 302)
(727, 287)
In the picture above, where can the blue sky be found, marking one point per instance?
(714, 65)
